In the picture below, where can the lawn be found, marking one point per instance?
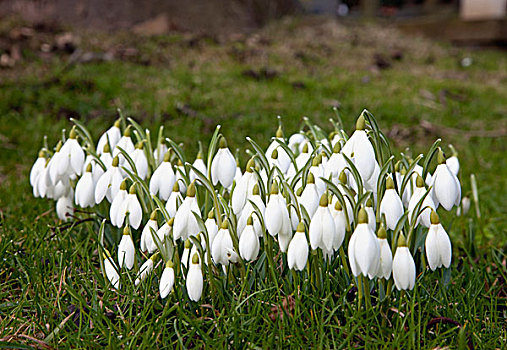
(52, 292)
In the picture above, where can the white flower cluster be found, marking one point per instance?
(337, 195)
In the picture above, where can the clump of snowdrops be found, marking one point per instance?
(308, 206)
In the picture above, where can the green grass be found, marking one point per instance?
(49, 272)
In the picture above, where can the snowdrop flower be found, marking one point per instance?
(446, 186)
(64, 207)
(199, 165)
(403, 266)
(296, 142)
(438, 245)
(277, 218)
(167, 280)
(106, 156)
(359, 148)
(185, 256)
(391, 205)
(194, 279)
(72, 156)
(310, 197)
(336, 163)
(132, 208)
(372, 222)
(145, 270)
(318, 171)
(340, 224)
(163, 179)
(453, 161)
(126, 250)
(85, 189)
(159, 152)
(248, 210)
(297, 254)
(386, 256)
(125, 143)
(179, 171)
(174, 200)
(185, 223)
(322, 230)
(43, 184)
(464, 207)
(211, 227)
(282, 159)
(363, 249)
(222, 250)
(38, 167)
(140, 161)
(301, 161)
(243, 189)
(249, 242)
(223, 166)
(114, 210)
(165, 230)
(427, 203)
(111, 270)
(151, 228)
(109, 183)
(113, 134)
(56, 167)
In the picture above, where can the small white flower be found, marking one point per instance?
(464, 207)
(403, 266)
(125, 143)
(199, 165)
(446, 186)
(185, 223)
(310, 196)
(359, 148)
(363, 249)
(372, 222)
(116, 204)
(165, 230)
(85, 189)
(223, 166)
(194, 279)
(126, 250)
(151, 228)
(64, 208)
(249, 242)
(243, 190)
(72, 155)
(159, 152)
(437, 245)
(419, 192)
(222, 250)
(144, 271)
(282, 158)
(391, 205)
(131, 207)
(113, 134)
(167, 280)
(322, 230)
(336, 163)
(453, 161)
(163, 179)
(277, 218)
(211, 227)
(38, 167)
(248, 210)
(140, 161)
(297, 254)
(174, 200)
(297, 142)
(385, 264)
(340, 224)
(111, 271)
(109, 183)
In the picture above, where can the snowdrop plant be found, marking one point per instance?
(300, 211)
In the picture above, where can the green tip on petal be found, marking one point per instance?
(389, 184)
(126, 230)
(167, 156)
(402, 241)
(369, 203)
(274, 188)
(169, 264)
(89, 168)
(360, 123)
(305, 148)
(170, 222)
(123, 185)
(301, 227)
(316, 161)
(58, 146)
(188, 244)
(225, 225)
(73, 133)
(338, 206)
(343, 177)
(441, 156)
(140, 145)
(337, 147)
(223, 142)
(191, 190)
(435, 220)
(381, 233)
(249, 221)
(274, 154)
(117, 123)
(419, 182)
(299, 191)
(397, 166)
(279, 132)
(255, 190)
(153, 215)
(362, 216)
(116, 161)
(127, 131)
(211, 214)
(195, 259)
(42, 153)
(323, 200)
(180, 163)
(250, 165)
(132, 189)
(311, 178)
(107, 148)
(199, 155)
(176, 187)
